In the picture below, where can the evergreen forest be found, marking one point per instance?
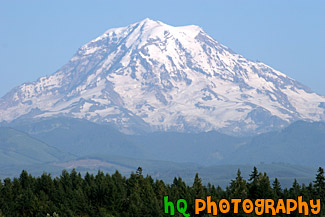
(105, 195)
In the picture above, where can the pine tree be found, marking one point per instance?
(150, 205)
(134, 201)
(295, 189)
(197, 192)
(264, 187)
(277, 191)
(319, 183)
(254, 175)
(197, 187)
(118, 197)
(319, 186)
(253, 185)
(139, 171)
(160, 191)
(9, 195)
(238, 188)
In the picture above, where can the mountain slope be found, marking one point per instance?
(82, 138)
(161, 154)
(150, 76)
(217, 174)
(300, 143)
(18, 148)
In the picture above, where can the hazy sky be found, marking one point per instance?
(37, 37)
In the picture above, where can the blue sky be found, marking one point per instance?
(38, 37)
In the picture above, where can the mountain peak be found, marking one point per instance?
(152, 28)
(150, 22)
(153, 76)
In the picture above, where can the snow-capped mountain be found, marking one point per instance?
(152, 76)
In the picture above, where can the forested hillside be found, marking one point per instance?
(136, 196)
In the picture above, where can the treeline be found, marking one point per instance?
(104, 195)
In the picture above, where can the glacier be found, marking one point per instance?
(150, 76)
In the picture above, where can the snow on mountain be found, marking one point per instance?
(152, 76)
